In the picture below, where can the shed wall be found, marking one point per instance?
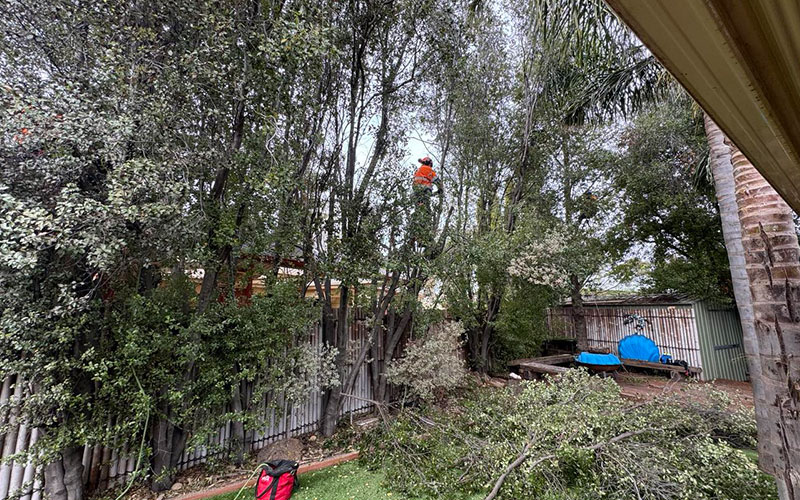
(721, 343)
(673, 328)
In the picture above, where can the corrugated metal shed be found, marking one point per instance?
(720, 334)
(706, 335)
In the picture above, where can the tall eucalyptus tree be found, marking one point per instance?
(354, 239)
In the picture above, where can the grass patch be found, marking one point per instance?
(342, 482)
(347, 481)
(339, 482)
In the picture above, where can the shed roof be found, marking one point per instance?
(659, 299)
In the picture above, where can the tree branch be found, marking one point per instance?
(524, 456)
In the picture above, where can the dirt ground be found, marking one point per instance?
(641, 386)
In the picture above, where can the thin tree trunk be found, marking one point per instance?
(330, 418)
(486, 333)
(329, 338)
(578, 314)
(168, 442)
(379, 383)
(237, 425)
(375, 364)
(389, 349)
(209, 283)
(771, 255)
(162, 455)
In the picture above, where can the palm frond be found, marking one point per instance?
(578, 30)
(701, 174)
(622, 90)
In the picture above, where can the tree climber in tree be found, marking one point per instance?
(422, 221)
(588, 206)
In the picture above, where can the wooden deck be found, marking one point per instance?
(556, 359)
(546, 365)
(534, 367)
(636, 363)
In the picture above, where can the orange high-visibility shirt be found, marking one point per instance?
(424, 176)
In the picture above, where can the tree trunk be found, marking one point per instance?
(63, 476)
(168, 442)
(771, 257)
(486, 330)
(722, 171)
(578, 315)
(237, 425)
(330, 397)
(162, 455)
(375, 364)
(209, 284)
(330, 417)
(389, 348)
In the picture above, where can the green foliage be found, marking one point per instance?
(553, 251)
(531, 195)
(677, 447)
(669, 210)
(261, 344)
(116, 128)
(476, 265)
(144, 142)
(431, 365)
(521, 324)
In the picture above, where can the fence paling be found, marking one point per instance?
(10, 442)
(294, 419)
(18, 469)
(17, 476)
(28, 476)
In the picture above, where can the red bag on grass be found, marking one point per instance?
(277, 481)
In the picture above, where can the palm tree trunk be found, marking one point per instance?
(722, 171)
(771, 252)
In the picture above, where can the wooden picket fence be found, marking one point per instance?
(109, 466)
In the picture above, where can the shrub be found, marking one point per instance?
(675, 450)
(433, 364)
(521, 325)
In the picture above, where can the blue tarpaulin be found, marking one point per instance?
(639, 347)
(588, 358)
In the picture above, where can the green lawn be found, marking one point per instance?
(348, 481)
